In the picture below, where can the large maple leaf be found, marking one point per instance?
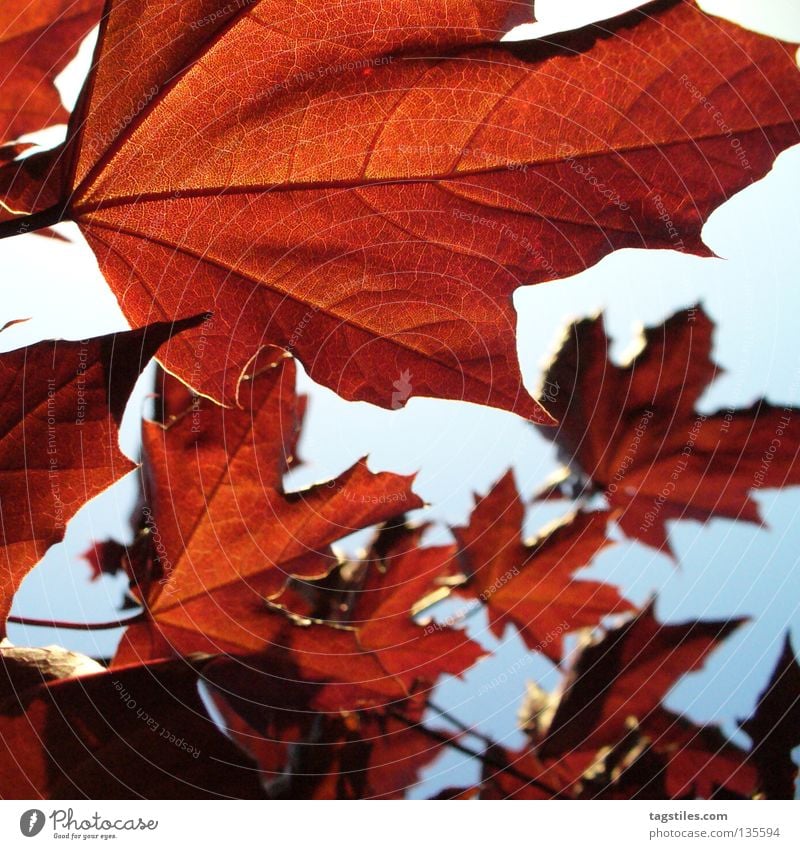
(37, 41)
(532, 584)
(373, 182)
(61, 404)
(226, 538)
(633, 432)
(224, 534)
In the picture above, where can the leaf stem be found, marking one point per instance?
(35, 221)
(75, 626)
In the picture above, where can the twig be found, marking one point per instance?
(75, 626)
(462, 726)
(485, 757)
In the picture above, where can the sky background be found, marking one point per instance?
(725, 569)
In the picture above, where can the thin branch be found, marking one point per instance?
(484, 757)
(75, 626)
(462, 726)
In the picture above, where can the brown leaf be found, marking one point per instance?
(774, 728)
(60, 408)
(37, 41)
(633, 432)
(141, 732)
(224, 534)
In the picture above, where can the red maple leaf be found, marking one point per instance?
(606, 733)
(390, 216)
(633, 432)
(37, 41)
(532, 584)
(626, 673)
(225, 535)
(60, 408)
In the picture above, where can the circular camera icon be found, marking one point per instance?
(31, 822)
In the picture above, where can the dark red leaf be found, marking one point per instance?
(37, 41)
(625, 674)
(60, 408)
(774, 728)
(633, 432)
(141, 732)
